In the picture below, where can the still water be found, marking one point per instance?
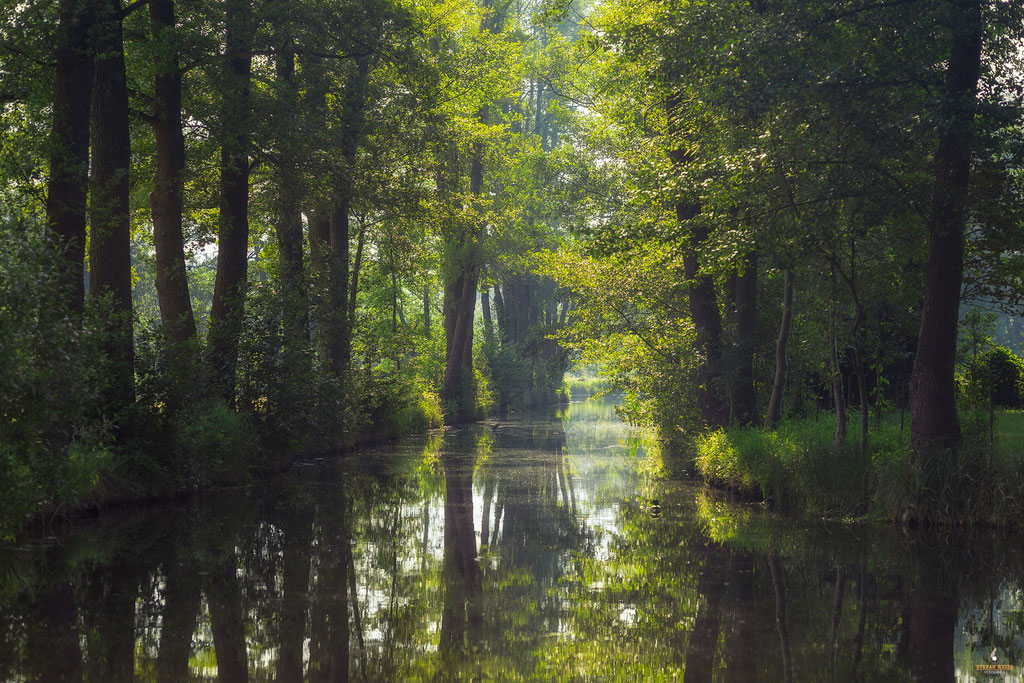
(559, 546)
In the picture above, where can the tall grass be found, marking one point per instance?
(797, 467)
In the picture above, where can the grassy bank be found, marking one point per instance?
(797, 467)
(159, 456)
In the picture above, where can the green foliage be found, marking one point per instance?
(797, 466)
(50, 379)
(1005, 371)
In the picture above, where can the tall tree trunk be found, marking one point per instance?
(934, 422)
(862, 394)
(67, 186)
(167, 198)
(707, 320)
(743, 396)
(426, 310)
(500, 313)
(337, 295)
(289, 214)
(459, 363)
(233, 224)
(319, 257)
(779, 387)
(353, 294)
(485, 309)
(838, 395)
(110, 264)
(340, 329)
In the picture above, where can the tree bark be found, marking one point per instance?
(340, 328)
(774, 413)
(838, 396)
(110, 265)
(744, 398)
(233, 224)
(353, 294)
(67, 186)
(707, 320)
(500, 313)
(426, 311)
(167, 198)
(934, 422)
(485, 309)
(460, 315)
(289, 215)
(337, 295)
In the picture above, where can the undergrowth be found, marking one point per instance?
(797, 467)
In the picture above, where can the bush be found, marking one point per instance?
(797, 466)
(1004, 371)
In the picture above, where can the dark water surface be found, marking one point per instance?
(558, 547)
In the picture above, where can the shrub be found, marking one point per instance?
(1004, 371)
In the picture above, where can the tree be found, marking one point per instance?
(233, 222)
(934, 422)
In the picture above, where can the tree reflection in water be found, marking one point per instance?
(512, 549)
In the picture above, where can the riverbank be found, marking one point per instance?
(208, 448)
(797, 467)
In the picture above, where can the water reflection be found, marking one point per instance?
(518, 549)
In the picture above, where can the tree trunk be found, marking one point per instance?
(838, 397)
(356, 267)
(167, 198)
(500, 312)
(934, 422)
(340, 328)
(289, 216)
(744, 398)
(319, 257)
(485, 309)
(707, 320)
(862, 394)
(774, 413)
(67, 186)
(110, 264)
(426, 311)
(233, 223)
(339, 343)
(459, 317)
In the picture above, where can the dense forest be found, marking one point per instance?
(234, 234)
